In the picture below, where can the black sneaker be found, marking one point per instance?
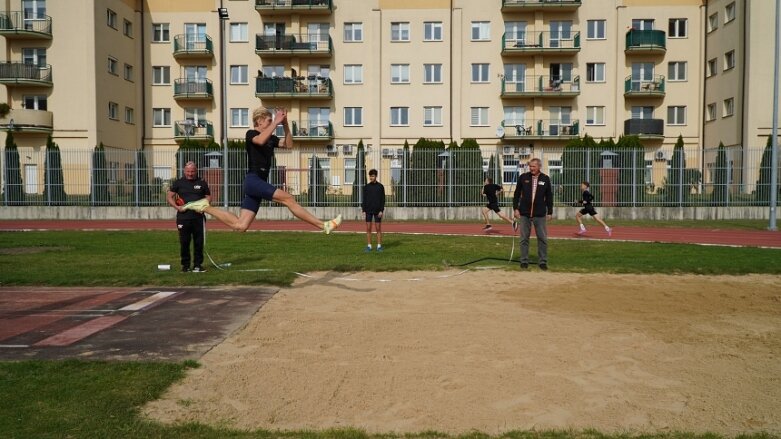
(487, 227)
(544, 267)
(524, 265)
(185, 269)
(198, 269)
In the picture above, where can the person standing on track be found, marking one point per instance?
(189, 223)
(533, 204)
(490, 192)
(260, 145)
(373, 208)
(588, 208)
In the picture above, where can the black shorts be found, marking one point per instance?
(377, 218)
(588, 209)
(494, 207)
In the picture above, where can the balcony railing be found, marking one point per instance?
(542, 85)
(28, 121)
(646, 41)
(541, 129)
(537, 5)
(294, 6)
(645, 128)
(289, 45)
(539, 42)
(17, 73)
(187, 88)
(13, 25)
(644, 87)
(312, 130)
(305, 87)
(189, 129)
(193, 46)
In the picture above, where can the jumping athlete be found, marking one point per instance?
(588, 208)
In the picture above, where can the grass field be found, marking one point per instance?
(101, 399)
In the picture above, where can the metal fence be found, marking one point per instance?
(413, 177)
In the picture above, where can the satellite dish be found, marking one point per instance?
(500, 131)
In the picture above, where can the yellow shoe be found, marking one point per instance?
(197, 206)
(330, 226)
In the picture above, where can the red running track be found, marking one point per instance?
(731, 237)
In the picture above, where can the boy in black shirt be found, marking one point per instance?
(373, 207)
(588, 208)
(490, 191)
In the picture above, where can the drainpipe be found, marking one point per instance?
(143, 75)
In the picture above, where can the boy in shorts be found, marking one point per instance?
(588, 208)
(490, 191)
(373, 207)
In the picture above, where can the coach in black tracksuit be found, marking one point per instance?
(189, 223)
(533, 204)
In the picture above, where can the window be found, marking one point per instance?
(161, 117)
(160, 33)
(642, 112)
(432, 116)
(728, 107)
(239, 75)
(239, 117)
(353, 74)
(399, 73)
(35, 102)
(729, 12)
(273, 71)
(595, 72)
(239, 33)
(479, 117)
(642, 24)
(353, 116)
(595, 29)
(400, 31)
(678, 28)
(481, 31)
(676, 70)
(510, 168)
(595, 115)
(129, 115)
(515, 117)
(112, 66)
(111, 18)
(128, 72)
(353, 32)
(710, 112)
(713, 22)
(127, 28)
(479, 72)
(432, 73)
(349, 167)
(34, 56)
(676, 115)
(399, 116)
(161, 75)
(113, 111)
(711, 68)
(432, 31)
(729, 60)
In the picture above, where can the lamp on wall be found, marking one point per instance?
(222, 13)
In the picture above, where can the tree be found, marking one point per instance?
(100, 194)
(54, 186)
(631, 162)
(359, 180)
(762, 193)
(144, 184)
(468, 173)
(317, 183)
(12, 174)
(426, 182)
(720, 177)
(404, 192)
(237, 168)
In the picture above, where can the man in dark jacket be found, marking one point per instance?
(189, 188)
(533, 204)
(373, 207)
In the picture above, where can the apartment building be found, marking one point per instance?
(520, 76)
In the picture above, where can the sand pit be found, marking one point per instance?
(496, 351)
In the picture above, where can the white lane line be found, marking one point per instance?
(148, 301)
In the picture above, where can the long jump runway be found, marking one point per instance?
(169, 324)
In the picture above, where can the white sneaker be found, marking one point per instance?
(330, 226)
(197, 206)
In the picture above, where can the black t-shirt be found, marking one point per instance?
(587, 198)
(259, 157)
(490, 191)
(190, 190)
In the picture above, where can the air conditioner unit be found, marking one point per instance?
(347, 149)
(511, 150)
(387, 152)
(660, 155)
(331, 150)
(399, 152)
(524, 151)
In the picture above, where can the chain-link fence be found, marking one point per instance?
(413, 177)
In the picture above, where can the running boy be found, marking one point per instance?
(588, 208)
(373, 207)
(490, 191)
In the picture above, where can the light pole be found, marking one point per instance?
(222, 12)
(774, 131)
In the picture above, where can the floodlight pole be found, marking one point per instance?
(774, 132)
(223, 17)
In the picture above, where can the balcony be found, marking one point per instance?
(645, 42)
(314, 130)
(279, 7)
(193, 89)
(193, 46)
(311, 87)
(539, 5)
(541, 86)
(644, 88)
(24, 74)
(644, 128)
(190, 129)
(290, 45)
(28, 121)
(541, 130)
(534, 43)
(13, 26)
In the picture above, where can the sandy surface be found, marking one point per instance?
(497, 351)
